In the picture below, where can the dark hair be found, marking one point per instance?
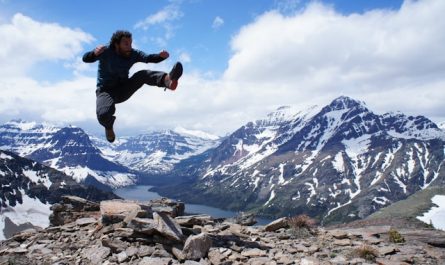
(117, 36)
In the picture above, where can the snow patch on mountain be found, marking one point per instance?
(436, 215)
(5, 156)
(29, 211)
(195, 133)
(32, 175)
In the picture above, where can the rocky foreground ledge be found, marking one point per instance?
(158, 233)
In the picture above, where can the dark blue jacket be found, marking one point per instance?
(113, 68)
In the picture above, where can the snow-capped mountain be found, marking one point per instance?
(337, 163)
(67, 149)
(158, 151)
(28, 189)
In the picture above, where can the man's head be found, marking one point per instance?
(121, 41)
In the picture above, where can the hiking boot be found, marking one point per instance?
(109, 133)
(171, 80)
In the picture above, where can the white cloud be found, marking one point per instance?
(169, 13)
(26, 42)
(318, 54)
(162, 20)
(217, 22)
(66, 101)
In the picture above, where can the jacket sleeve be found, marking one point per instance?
(149, 58)
(89, 57)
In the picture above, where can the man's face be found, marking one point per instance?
(124, 47)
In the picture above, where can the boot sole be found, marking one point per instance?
(176, 71)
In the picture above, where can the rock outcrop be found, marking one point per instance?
(125, 232)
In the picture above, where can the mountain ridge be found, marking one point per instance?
(338, 163)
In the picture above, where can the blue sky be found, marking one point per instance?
(242, 59)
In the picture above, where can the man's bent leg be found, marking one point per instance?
(140, 78)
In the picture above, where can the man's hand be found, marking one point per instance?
(99, 49)
(164, 54)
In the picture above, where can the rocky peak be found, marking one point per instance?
(127, 232)
(344, 102)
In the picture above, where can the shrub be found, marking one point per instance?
(302, 226)
(366, 252)
(395, 236)
(301, 221)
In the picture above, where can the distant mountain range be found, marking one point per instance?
(94, 161)
(156, 152)
(338, 163)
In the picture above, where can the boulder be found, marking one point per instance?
(192, 220)
(196, 247)
(246, 219)
(165, 205)
(143, 225)
(115, 211)
(277, 224)
(167, 226)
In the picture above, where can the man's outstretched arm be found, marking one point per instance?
(92, 56)
(155, 58)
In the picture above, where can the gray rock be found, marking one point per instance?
(155, 261)
(339, 234)
(96, 255)
(132, 251)
(86, 221)
(168, 206)
(262, 261)
(114, 244)
(246, 219)
(215, 256)
(192, 220)
(144, 251)
(123, 232)
(122, 256)
(161, 253)
(196, 247)
(387, 250)
(143, 225)
(114, 211)
(277, 224)
(167, 226)
(342, 242)
(254, 252)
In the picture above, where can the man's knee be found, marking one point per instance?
(106, 119)
(152, 78)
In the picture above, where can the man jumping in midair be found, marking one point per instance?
(113, 84)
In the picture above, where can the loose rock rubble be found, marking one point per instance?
(157, 233)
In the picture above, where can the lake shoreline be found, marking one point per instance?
(143, 193)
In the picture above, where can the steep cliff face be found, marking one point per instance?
(337, 163)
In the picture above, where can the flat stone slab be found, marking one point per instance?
(114, 211)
